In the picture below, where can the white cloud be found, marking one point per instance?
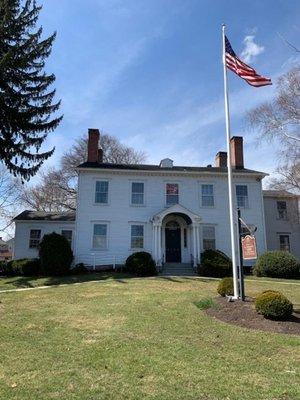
(251, 49)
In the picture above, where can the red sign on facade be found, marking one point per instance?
(249, 247)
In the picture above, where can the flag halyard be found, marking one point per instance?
(243, 70)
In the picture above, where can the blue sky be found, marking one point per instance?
(149, 72)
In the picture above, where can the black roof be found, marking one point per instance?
(152, 167)
(29, 215)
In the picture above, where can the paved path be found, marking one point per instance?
(162, 277)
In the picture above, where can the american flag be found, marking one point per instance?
(243, 70)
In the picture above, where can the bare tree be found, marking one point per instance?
(10, 189)
(57, 189)
(279, 120)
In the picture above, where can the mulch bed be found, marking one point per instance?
(242, 313)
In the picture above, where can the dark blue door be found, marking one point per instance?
(173, 245)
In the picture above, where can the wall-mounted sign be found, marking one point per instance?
(249, 247)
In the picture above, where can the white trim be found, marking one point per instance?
(100, 222)
(108, 191)
(143, 224)
(213, 184)
(131, 181)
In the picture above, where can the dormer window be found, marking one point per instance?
(166, 163)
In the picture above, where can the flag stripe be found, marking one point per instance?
(243, 70)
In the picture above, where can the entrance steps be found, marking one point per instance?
(178, 269)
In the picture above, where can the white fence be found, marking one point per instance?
(96, 259)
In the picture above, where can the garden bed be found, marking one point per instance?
(243, 314)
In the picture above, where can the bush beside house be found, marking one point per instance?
(24, 267)
(215, 263)
(141, 264)
(277, 264)
(55, 255)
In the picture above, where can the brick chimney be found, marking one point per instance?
(237, 152)
(221, 159)
(93, 143)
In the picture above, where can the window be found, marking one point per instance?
(100, 236)
(281, 208)
(207, 193)
(209, 238)
(137, 236)
(284, 242)
(34, 239)
(101, 195)
(172, 194)
(137, 193)
(67, 234)
(242, 196)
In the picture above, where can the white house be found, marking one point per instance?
(173, 212)
(282, 221)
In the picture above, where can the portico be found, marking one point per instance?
(176, 236)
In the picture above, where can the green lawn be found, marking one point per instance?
(126, 338)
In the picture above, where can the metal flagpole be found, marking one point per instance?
(230, 185)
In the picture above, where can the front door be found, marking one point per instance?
(173, 245)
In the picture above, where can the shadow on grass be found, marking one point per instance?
(99, 276)
(21, 282)
(182, 278)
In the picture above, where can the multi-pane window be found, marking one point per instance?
(101, 194)
(172, 194)
(284, 242)
(207, 194)
(137, 193)
(209, 237)
(34, 238)
(281, 209)
(137, 236)
(100, 236)
(67, 233)
(242, 196)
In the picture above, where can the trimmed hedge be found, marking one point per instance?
(277, 264)
(141, 264)
(23, 266)
(55, 254)
(273, 305)
(215, 263)
(225, 287)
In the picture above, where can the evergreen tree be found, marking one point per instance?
(26, 101)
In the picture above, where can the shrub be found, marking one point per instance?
(80, 269)
(277, 264)
(141, 264)
(215, 263)
(55, 254)
(23, 266)
(204, 304)
(274, 305)
(225, 287)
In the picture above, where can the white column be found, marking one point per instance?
(198, 243)
(159, 245)
(194, 245)
(154, 243)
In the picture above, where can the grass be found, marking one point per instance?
(125, 338)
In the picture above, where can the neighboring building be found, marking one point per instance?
(282, 221)
(31, 226)
(5, 250)
(173, 212)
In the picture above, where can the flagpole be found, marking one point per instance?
(230, 184)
